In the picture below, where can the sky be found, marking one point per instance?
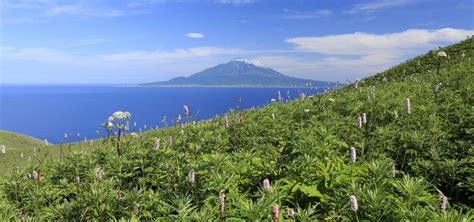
(137, 41)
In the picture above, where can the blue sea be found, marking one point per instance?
(48, 112)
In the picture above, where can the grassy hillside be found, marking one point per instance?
(16, 145)
(313, 157)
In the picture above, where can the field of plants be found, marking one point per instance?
(396, 146)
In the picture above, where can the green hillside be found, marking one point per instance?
(16, 145)
(409, 166)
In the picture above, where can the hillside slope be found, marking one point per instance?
(286, 158)
(239, 73)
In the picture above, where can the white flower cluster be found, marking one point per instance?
(442, 54)
(120, 115)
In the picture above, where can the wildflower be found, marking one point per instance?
(121, 115)
(273, 100)
(436, 87)
(353, 202)
(91, 142)
(302, 95)
(353, 155)
(226, 122)
(279, 96)
(186, 111)
(441, 54)
(418, 63)
(178, 118)
(221, 203)
(21, 155)
(36, 176)
(407, 106)
(191, 176)
(463, 55)
(170, 140)
(144, 126)
(78, 180)
(136, 208)
(118, 195)
(359, 122)
(291, 212)
(196, 149)
(46, 142)
(356, 84)
(275, 212)
(331, 100)
(65, 200)
(238, 118)
(156, 144)
(393, 170)
(266, 185)
(65, 135)
(98, 173)
(442, 201)
(3, 148)
(273, 116)
(364, 118)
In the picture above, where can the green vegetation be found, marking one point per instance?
(409, 166)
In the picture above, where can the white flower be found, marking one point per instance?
(364, 118)
(273, 100)
(3, 148)
(121, 115)
(442, 54)
(407, 105)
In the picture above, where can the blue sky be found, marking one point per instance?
(126, 41)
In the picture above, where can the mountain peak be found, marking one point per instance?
(238, 72)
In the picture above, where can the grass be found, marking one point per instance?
(405, 163)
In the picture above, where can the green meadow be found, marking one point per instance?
(396, 146)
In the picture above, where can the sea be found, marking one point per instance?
(50, 112)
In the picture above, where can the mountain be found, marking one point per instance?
(238, 73)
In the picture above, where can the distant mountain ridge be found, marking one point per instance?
(238, 73)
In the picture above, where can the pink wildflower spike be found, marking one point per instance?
(36, 176)
(170, 140)
(156, 144)
(221, 203)
(266, 185)
(353, 203)
(353, 155)
(407, 106)
(226, 122)
(191, 176)
(186, 110)
(275, 212)
(98, 173)
(442, 201)
(302, 95)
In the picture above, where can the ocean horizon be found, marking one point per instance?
(49, 111)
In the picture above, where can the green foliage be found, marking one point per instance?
(404, 161)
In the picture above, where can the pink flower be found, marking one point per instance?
(156, 144)
(191, 176)
(291, 212)
(36, 177)
(186, 110)
(266, 185)
(275, 212)
(221, 203)
(353, 203)
(353, 154)
(443, 200)
(302, 96)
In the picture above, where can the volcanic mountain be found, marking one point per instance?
(238, 73)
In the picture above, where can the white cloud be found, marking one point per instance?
(378, 4)
(361, 43)
(293, 14)
(195, 35)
